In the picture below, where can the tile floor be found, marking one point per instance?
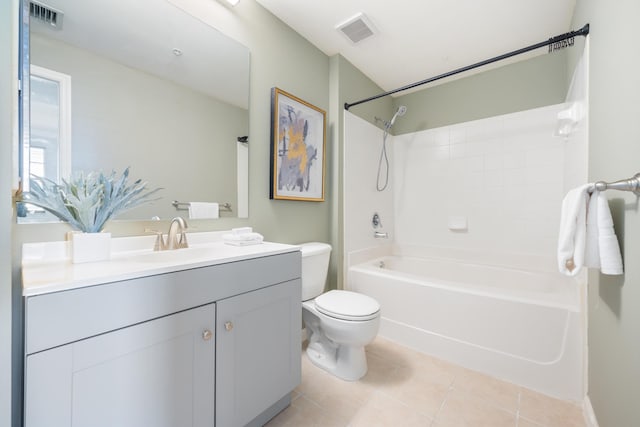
(404, 388)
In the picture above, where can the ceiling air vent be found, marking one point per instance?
(357, 28)
(46, 15)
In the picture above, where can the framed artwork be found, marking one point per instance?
(298, 139)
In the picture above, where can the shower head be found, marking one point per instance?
(400, 112)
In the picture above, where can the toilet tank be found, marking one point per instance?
(315, 264)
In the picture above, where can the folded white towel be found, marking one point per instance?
(603, 250)
(203, 210)
(243, 239)
(241, 230)
(572, 235)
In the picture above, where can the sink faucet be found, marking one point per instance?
(178, 225)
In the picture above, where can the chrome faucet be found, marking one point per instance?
(178, 225)
(380, 235)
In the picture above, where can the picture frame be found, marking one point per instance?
(298, 147)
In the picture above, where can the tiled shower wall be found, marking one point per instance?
(361, 199)
(505, 176)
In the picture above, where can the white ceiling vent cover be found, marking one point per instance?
(357, 28)
(46, 15)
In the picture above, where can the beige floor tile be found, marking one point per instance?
(303, 412)
(437, 371)
(419, 391)
(344, 398)
(381, 372)
(314, 380)
(463, 410)
(384, 411)
(523, 422)
(495, 392)
(548, 411)
(406, 388)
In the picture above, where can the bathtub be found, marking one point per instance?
(523, 327)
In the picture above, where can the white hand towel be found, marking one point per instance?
(572, 235)
(203, 210)
(603, 250)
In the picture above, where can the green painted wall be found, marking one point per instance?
(614, 153)
(531, 83)
(8, 11)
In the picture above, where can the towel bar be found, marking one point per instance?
(183, 206)
(630, 184)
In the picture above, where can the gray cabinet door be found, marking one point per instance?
(257, 351)
(158, 373)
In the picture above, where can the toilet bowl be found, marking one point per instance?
(339, 323)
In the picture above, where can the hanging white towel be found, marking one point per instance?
(592, 247)
(203, 210)
(572, 236)
(587, 237)
(602, 248)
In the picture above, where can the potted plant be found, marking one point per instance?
(87, 202)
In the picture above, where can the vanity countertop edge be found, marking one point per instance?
(51, 271)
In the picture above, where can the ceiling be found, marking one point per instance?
(418, 39)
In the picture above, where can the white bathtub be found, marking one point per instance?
(522, 327)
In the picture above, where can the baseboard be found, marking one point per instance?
(589, 414)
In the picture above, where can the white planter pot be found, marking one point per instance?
(90, 247)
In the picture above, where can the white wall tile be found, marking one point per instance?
(507, 175)
(363, 143)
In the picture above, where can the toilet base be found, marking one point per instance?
(346, 362)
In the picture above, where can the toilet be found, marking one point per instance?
(339, 323)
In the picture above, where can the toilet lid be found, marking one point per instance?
(347, 305)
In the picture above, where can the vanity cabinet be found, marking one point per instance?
(211, 346)
(258, 353)
(158, 373)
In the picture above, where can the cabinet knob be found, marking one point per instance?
(207, 334)
(228, 326)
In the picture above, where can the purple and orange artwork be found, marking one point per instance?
(298, 139)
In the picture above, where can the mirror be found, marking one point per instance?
(137, 84)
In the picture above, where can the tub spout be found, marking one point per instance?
(380, 235)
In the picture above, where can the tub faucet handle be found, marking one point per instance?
(376, 221)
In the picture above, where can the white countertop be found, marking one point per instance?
(46, 267)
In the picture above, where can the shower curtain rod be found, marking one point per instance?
(553, 40)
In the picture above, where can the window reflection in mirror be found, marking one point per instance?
(174, 119)
(49, 151)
